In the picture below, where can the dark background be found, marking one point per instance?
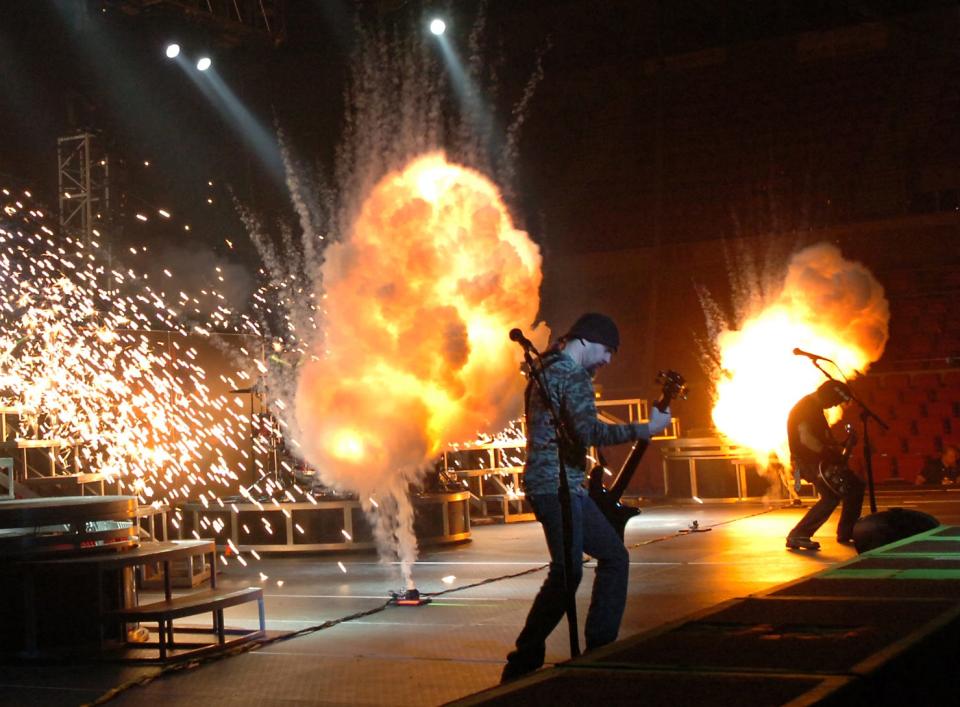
(663, 138)
(653, 121)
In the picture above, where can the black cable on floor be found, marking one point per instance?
(489, 580)
(190, 663)
(683, 533)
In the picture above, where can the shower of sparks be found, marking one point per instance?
(105, 370)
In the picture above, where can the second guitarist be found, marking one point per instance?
(813, 450)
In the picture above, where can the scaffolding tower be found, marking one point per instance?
(84, 184)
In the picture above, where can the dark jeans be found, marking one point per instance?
(593, 534)
(821, 510)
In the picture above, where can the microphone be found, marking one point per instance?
(811, 356)
(517, 335)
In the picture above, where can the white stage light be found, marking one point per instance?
(173, 51)
(204, 63)
(438, 26)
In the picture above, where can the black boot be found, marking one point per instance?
(514, 670)
(798, 543)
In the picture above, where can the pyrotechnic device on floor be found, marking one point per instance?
(410, 597)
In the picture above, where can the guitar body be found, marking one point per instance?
(608, 500)
(615, 512)
(837, 476)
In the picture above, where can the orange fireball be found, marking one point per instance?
(418, 298)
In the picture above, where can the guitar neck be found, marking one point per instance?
(627, 470)
(632, 461)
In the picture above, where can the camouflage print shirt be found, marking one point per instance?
(571, 390)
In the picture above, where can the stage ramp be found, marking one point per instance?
(880, 629)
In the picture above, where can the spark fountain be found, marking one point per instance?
(101, 383)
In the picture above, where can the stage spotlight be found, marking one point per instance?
(204, 63)
(438, 26)
(173, 50)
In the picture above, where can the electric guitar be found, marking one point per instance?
(608, 500)
(837, 476)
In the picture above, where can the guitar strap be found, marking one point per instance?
(547, 360)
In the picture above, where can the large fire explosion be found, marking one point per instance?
(826, 304)
(418, 300)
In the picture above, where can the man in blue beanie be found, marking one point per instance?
(568, 369)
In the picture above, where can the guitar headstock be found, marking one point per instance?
(674, 386)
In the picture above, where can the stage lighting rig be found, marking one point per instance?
(438, 26)
(233, 23)
(204, 63)
(173, 50)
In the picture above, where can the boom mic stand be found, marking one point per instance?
(535, 365)
(865, 414)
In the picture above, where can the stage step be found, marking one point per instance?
(189, 604)
(66, 484)
(213, 601)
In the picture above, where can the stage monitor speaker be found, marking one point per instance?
(885, 527)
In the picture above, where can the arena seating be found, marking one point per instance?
(915, 386)
(922, 410)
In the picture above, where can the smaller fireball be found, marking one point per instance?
(828, 305)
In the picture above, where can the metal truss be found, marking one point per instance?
(84, 184)
(234, 20)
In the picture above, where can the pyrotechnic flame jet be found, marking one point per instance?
(825, 304)
(415, 355)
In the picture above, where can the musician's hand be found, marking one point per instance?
(659, 421)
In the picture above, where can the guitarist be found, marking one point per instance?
(811, 445)
(568, 369)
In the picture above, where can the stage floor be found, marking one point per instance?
(456, 645)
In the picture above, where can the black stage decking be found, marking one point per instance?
(455, 646)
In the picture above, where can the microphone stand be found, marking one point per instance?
(816, 363)
(865, 414)
(563, 493)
